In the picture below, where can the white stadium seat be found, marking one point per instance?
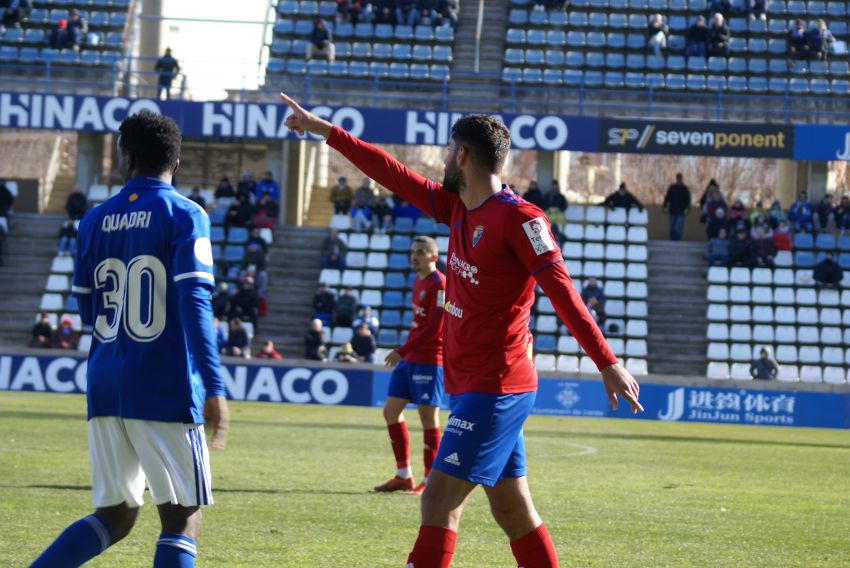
(373, 279)
(808, 334)
(803, 277)
(341, 335)
(615, 252)
(358, 241)
(637, 253)
(807, 316)
(718, 332)
(575, 268)
(58, 283)
(830, 316)
(783, 277)
(763, 333)
(568, 344)
(379, 243)
(717, 370)
(762, 295)
(739, 275)
(636, 235)
(637, 271)
(617, 216)
(377, 260)
(62, 265)
(636, 290)
(615, 233)
(786, 334)
(786, 353)
(806, 297)
(98, 192)
(833, 356)
(586, 365)
(762, 276)
(783, 296)
(718, 294)
(636, 328)
(267, 235)
(547, 324)
(740, 313)
(785, 314)
(617, 345)
(85, 343)
(638, 217)
(568, 363)
(572, 250)
(763, 314)
(340, 222)
(355, 259)
(718, 275)
(544, 362)
(636, 348)
(116, 189)
(741, 372)
(829, 298)
(615, 308)
(637, 367)
(811, 374)
(740, 332)
(783, 259)
(371, 298)
(834, 375)
(615, 271)
(615, 289)
(594, 251)
(330, 276)
(788, 373)
(717, 312)
(595, 214)
(636, 309)
(594, 268)
(544, 305)
(718, 352)
(575, 213)
(443, 244)
(741, 352)
(51, 302)
(594, 233)
(574, 232)
(739, 294)
(353, 278)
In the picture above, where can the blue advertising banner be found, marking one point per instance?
(559, 397)
(821, 142)
(265, 120)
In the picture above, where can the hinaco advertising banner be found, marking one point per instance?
(741, 139)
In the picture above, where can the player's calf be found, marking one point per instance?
(176, 546)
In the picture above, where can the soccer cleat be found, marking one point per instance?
(417, 490)
(396, 484)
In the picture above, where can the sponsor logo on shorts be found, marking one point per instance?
(422, 378)
(452, 459)
(538, 235)
(462, 424)
(425, 396)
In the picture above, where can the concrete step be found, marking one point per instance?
(681, 369)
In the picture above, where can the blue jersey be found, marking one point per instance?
(143, 277)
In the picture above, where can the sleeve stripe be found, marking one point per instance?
(542, 268)
(80, 290)
(185, 275)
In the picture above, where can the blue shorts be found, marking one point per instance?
(418, 383)
(483, 441)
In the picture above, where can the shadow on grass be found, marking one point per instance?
(684, 439)
(294, 491)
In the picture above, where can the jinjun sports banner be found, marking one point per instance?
(559, 397)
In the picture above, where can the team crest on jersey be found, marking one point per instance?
(477, 233)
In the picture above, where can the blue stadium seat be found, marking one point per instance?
(844, 261)
(338, 68)
(48, 55)
(737, 84)
(535, 37)
(637, 21)
(819, 86)
(538, 18)
(288, 7)
(776, 46)
(216, 252)
(655, 62)
(234, 253)
(387, 337)
(675, 82)
(777, 67)
(327, 9)
(38, 16)
(8, 53)
(754, 66)
(777, 27)
(392, 299)
(696, 65)
(596, 39)
(676, 63)
(303, 27)
(442, 53)
(421, 53)
(655, 81)
(404, 225)
(635, 61)
(400, 243)
(839, 68)
(756, 45)
(534, 56)
(283, 27)
(717, 64)
(757, 27)
(379, 69)
(33, 37)
(618, 21)
(395, 281)
(398, 261)
(217, 215)
(390, 318)
(344, 30)
(825, 241)
(296, 67)
(597, 20)
(573, 77)
(578, 19)
(364, 30)
(595, 60)
(636, 41)
(798, 86)
(358, 69)
(519, 17)
(616, 40)
(836, 8)
(425, 225)
(237, 235)
(515, 36)
(343, 49)
(317, 67)
(844, 243)
(575, 59)
(715, 83)
(839, 87)
(99, 19)
(615, 61)
(557, 38)
(440, 72)
(635, 80)
(407, 319)
(796, 8)
(114, 39)
(445, 34)
(614, 79)
(419, 71)
(678, 24)
(676, 43)
(695, 82)
(593, 79)
(757, 84)
(299, 47)
(532, 75)
(804, 259)
(558, 19)
(545, 343)
(818, 68)
(281, 46)
(737, 45)
(217, 234)
(776, 7)
(575, 39)
(423, 33)
(778, 85)
(362, 49)
(384, 31)
(511, 74)
(554, 58)
(30, 55)
(379, 50)
(737, 25)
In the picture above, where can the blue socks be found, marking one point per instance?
(77, 544)
(175, 551)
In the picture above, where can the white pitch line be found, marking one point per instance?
(585, 450)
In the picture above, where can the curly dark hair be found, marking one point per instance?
(152, 140)
(486, 138)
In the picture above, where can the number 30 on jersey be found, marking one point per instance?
(134, 294)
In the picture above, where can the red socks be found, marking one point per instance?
(432, 442)
(535, 550)
(400, 440)
(434, 548)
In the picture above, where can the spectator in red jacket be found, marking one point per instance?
(782, 236)
(65, 337)
(268, 352)
(763, 250)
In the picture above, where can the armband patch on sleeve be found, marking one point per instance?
(538, 235)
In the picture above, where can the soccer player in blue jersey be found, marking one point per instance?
(143, 277)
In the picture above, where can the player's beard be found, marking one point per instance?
(453, 179)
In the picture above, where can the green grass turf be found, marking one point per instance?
(292, 490)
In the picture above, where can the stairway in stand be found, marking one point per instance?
(293, 267)
(677, 306)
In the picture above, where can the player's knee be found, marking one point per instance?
(391, 415)
(120, 520)
(430, 416)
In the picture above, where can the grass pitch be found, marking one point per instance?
(292, 490)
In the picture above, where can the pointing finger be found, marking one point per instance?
(292, 104)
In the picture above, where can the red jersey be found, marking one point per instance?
(496, 252)
(425, 341)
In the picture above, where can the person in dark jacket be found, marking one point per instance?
(16, 12)
(221, 301)
(324, 302)
(197, 197)
(78, 28)
(321, 42)
(239, 213)
(426, 12)
(763, 250)
(593, 290)
(364, 344)
(696, 39)
(824, 217)
(764, 368)
(245, 303)
(718, 37)
(384, 11)
(346, 308)
(534, 195)
(76, 205)
(656, 34)
(65, 337)
(622, 198)
(42, 331)
(333, 251)
(739, 250)
(168, 68)
(314, 342)
(67, 240)
(237, 339)
(448, 10)
(798, 41)
(677, 202)
(827, 273)
(717, 249)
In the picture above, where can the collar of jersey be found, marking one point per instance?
(147, 183)
(500, 192)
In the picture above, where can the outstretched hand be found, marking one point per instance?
(618, 381)
(302, 120)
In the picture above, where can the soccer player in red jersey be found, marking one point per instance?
(418, 373)
(499, 246)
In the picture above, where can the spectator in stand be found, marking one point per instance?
(717, 249)
(798, 41)
(333, 251)
(723, 7)
(827, 273)
(762, 223)
(763, 250)
(168, 68)
(824, 217)
(622, 198)
(42, 331)
(366, 318)
(696, 39)
(426, 12)
(255, 260)
(245, 303)
(718, 222)
(364, 344)
(267, 185)
(593, 290)
(842, 215)
(197, 197)
(221, 301)
(739, 250)
(713, 209)
(265, 213)
(405, 209)
(718, 37)
(738, 216)
(255, 237)
(361, 210)
(801, 215)
(782, 236)
(757, 11)
(65, 337)
(7, 200)
(535, 195)
(16, 12)
(758, 210)
(596, 311)
(268, 352)
(384, 11)
(820, 41)
(224, 193)
(709, 190)
(765, 367)
(346, 354)
(239, 213)
(321, 42)
(677, 202)
(448, 11)
(314, 342)
(405, 12)
(60, 37)
(78, 28)
(554, 199)
(354, 11)
(776, 214)
(237, 339)
(247, 186)
(67, 240)
(220, 334)
(76, 205)
(656, 34)
(382, 213)
(341, 195)
(346, 309)
(324, 303)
